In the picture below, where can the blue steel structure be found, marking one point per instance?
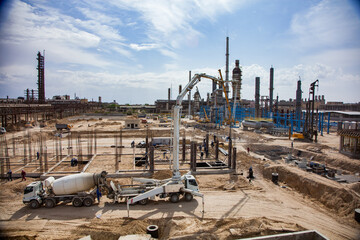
(281, 120)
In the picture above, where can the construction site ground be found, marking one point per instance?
(234, 207)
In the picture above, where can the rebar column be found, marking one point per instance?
(95, 142)
(183, 148)
(116, 154)
(207, 145)
(14, 145)
(25, 157)
(57, 149)
(80, 157)
(41, 155)
(194, 158)
(121, 146)
(234, 159)
(217, 149)
(29, 144)
(45, 156)
(230, 153)
(151, 158)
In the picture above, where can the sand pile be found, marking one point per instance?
(332, 194)
(15, 187)
(187, 228)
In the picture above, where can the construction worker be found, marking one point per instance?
(251, 174)
(9, 175)
(37, 155)
(23, 175)
(201, 155)
(133, 144)
(98, 194)
(248, 150)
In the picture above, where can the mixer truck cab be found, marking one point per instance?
(32, 194)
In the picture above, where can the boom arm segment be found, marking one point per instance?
(196, 78)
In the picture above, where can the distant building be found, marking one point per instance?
(132, 123)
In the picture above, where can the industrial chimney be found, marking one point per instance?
(236, 77)
(41, 78)
(298, 100)
(257, 97)
(271, 88)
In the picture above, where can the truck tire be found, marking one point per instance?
(88, 201)
(188, 197)
(34, 204)
(144, 201)
(174, 198)
(77, 202)
(49, 203)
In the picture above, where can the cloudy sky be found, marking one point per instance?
(132, 51)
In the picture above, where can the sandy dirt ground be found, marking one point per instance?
(233, 207)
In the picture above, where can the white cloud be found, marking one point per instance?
(327, 24)
(171, 23)
(144, 46)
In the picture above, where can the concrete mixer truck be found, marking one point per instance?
(79, 189)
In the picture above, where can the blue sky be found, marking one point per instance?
(133, 51)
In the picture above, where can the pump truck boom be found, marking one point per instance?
(185, 185)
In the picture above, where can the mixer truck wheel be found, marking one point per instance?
(188, 197)
(77, 202)
(34, 204)
(88, 202)
(49, 203)
(174, 198)
(143, 202)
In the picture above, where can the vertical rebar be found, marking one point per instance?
(29, 144)
(80, 157)
(60, 146)
(121, 146)
(234, 159)
(217, 149)
(116, 154)
(45, 156)
(57, 149)
(230, 153)
(25, 157)
(151, 159)
(95, 142)
(41, 154)
(14, 146)
(2, 157)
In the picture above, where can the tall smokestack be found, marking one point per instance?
(227, 67)
(298, 100)
(168, 103)
(271, 88)
(189, 96)
(257, 97)
(41, 78)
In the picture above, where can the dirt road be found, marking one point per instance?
(279, 206)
